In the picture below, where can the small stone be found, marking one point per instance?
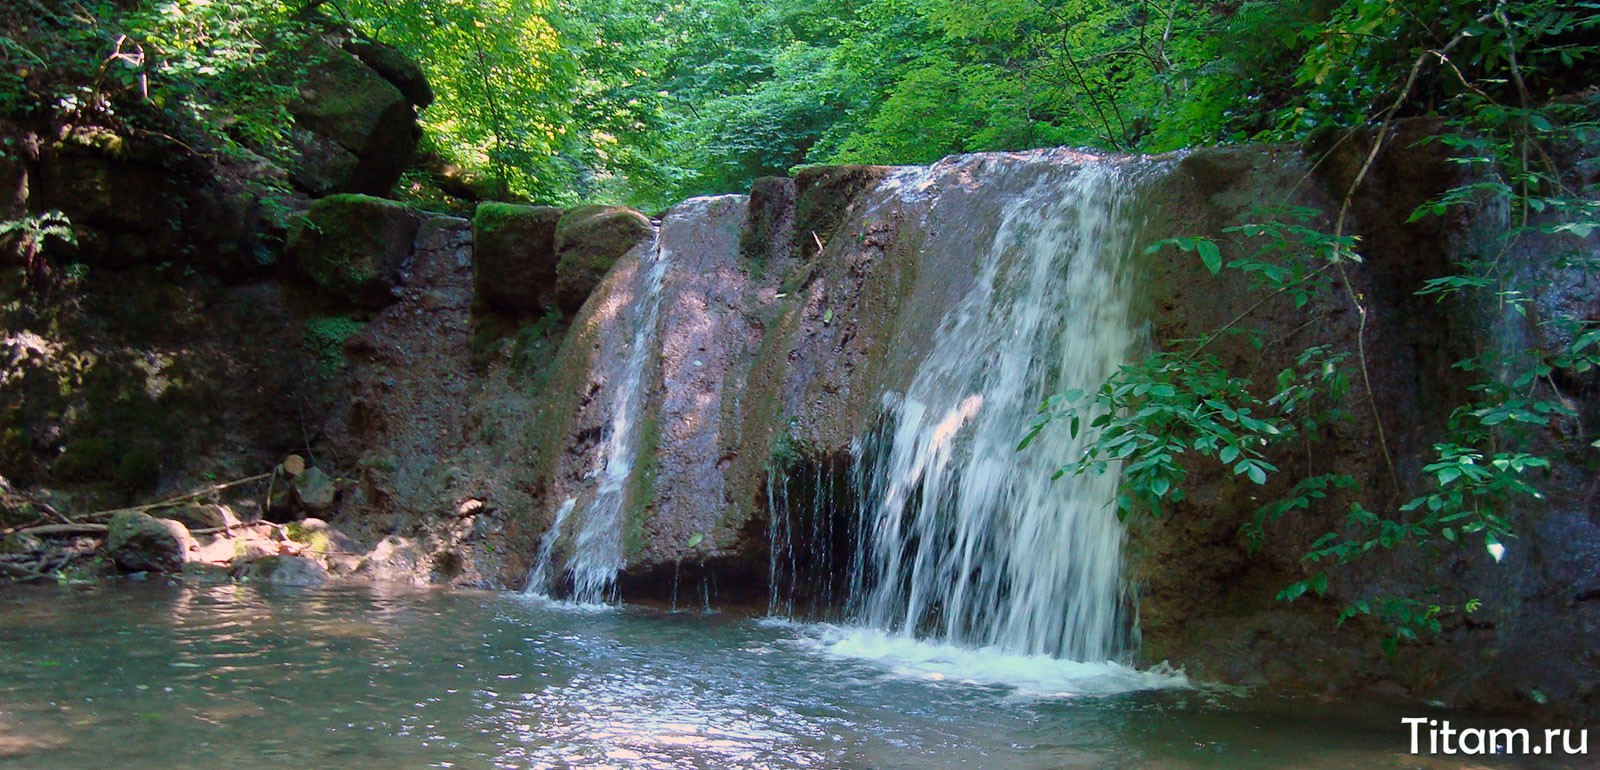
(293, 466)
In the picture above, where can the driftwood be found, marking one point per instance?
(229, 528)
(21, 574)
(183, 498)
(47, 530)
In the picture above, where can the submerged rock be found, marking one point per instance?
(514, 247)
(139, 542)
(355, 247)
(589, 240)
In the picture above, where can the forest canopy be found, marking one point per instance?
(649, 101)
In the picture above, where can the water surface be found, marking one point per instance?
(235, 676)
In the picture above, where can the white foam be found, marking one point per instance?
(563, 605)
(1037, 676)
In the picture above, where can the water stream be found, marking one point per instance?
(235, 677)
(966, 540)
(596, 553)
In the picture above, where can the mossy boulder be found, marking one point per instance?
(589, 240)
(314, 490)
(395, 67)
(355, 247)
(824, 197)
(769, 229)
(321, 166)
(139, 542)
(349, 102)
(514, 247)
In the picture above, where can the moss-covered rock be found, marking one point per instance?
(321, 166)
(355, 246)
(324, 338)
(393, 66)
(314, 490)
(514, 248)
(139, 542)
(124, 197)
(349, 102)
(589, 240)
(769, 228)
(824, 197)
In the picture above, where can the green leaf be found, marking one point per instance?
(696, 539)
(1210, 255)
(1319, 583)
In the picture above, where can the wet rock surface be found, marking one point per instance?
(287, 571)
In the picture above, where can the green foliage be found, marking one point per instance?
(503, 80)
(230, 67)
(324, 338)
(1497, 72)
(28, 237)
(1153, 412)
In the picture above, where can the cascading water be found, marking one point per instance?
(596, 554)
(965, 540)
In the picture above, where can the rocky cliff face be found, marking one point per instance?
(770, 370)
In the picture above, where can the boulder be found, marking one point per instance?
(824, 197)
(355, 247)
(199, 516)
(289, 571)
(139, 542)
(314, 491)
(514, 248)
(320, 166)
(769, 228)
(589, 240)
(395, 67)
(349, 102)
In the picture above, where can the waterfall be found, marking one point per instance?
(963, 539)
(596, 554)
